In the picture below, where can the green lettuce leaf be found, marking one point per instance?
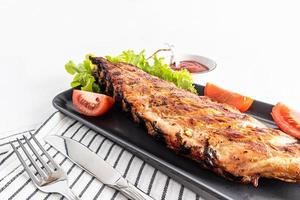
(83, 75)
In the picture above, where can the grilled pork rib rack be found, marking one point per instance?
(218, 136)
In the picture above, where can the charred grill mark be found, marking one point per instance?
(126, 105)
(107, 85)
(149, 127)
(119, 96)
(178, 137)
(135, 116)
(102, 77)
(209, 155)
(184, 149)
(95, 75)
(102, 81)
(158, 134)
(142, 121)
(102, 86)
(96, 61)
(107, 77)
(110, 90)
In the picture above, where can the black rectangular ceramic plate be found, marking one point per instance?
(119, 127)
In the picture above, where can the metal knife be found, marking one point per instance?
(95, 165)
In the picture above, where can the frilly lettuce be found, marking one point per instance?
(83, 75)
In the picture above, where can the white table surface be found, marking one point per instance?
(256, 45)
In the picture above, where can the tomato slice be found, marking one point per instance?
(221, 95)
(91, 104)
(287, 120)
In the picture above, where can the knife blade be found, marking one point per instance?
(95, 165)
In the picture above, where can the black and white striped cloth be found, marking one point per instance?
(15, 183)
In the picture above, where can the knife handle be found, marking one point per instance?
(130, 190)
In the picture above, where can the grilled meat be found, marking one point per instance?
(217, 136)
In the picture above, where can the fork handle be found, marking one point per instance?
(69, 194)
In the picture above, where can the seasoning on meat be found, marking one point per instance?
(218, 136)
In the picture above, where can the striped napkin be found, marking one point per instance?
(15, 183)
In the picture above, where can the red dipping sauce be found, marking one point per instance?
(192, 66)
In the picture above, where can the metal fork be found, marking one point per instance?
(51, 179)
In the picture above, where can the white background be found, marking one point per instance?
(256, 45)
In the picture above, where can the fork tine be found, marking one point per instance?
(29, 172)
(45, 152)
(38, 169)
(48, 170)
